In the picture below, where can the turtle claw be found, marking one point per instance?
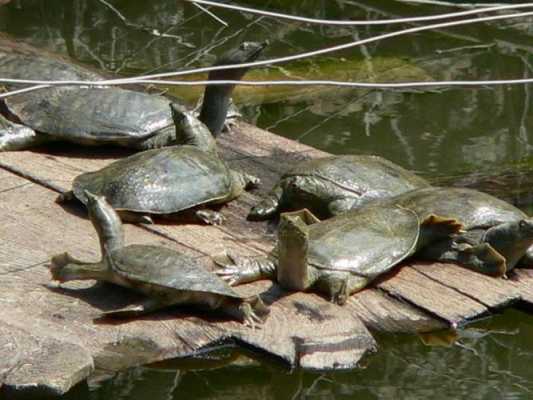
(250, 318)
(340, 296)
(65, 197)
(230, 274)
(210, 217)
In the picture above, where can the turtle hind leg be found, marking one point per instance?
(339, 288)
(138, 309)
(251, 311)
(134, 218)
(527, 260)
(269, 207)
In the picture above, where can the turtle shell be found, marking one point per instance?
(473, 208)
(165, 268)
(360, 176)
(363, 241)
(15, 65)
(92, 115)
(161, 181)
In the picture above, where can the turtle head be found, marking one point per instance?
(511, 239)
(106, 222)
(190, 130)
(245, 53)
(217, 97)
(525, 227)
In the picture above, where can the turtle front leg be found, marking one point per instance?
(481, 258)
(526, 261)
(240, 270)
(64, 267)
(19, 137)
(165, 137)
(210, 217)
(269, 207)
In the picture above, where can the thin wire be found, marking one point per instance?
(144, 78)
(362, 22)
(371, 85)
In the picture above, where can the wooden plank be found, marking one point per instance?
(9, 181)
(37, 367)
(522, 280)
(35, 228)
(430, 295)
(492, 292)
(381, 312)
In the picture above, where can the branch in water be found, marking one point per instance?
(150, 30)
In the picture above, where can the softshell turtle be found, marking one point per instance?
(332, 185)
(341, 255)
(498, 235)
(168, 180)
(164, 275)
(110, 115)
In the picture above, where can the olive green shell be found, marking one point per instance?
(160, 181)
(473, 208)
(109, 115)
(363, 241)
(315, 183)
(93, 115)
(165, 268)
(15, 63)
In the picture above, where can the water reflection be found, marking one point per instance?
(434, 132)
(489, 360)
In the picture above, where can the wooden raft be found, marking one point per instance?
(49, 340)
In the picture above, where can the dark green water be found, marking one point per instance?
(473, 137)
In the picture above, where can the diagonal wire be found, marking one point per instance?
(362, 22)
(150, 78)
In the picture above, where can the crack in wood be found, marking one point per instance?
(16, 187)
(455, 289)
(14, 271)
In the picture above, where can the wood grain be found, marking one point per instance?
(56, 322)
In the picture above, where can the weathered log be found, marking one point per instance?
(303, 329)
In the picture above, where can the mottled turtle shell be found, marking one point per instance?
(359, 173)
(473, 208)
(332, 185)
(16, 64)
(161, 181)
(166, 269)
(92, 115)
(363, 241)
